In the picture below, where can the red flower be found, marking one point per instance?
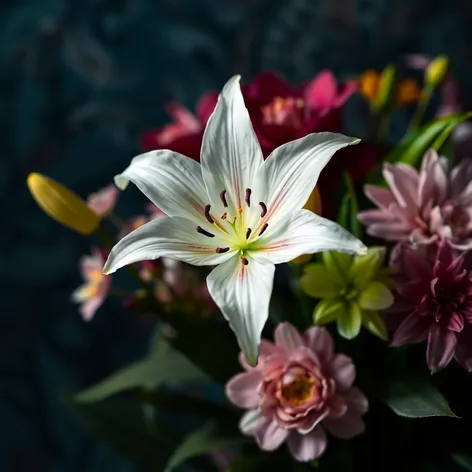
(185, 134)
(281, 113)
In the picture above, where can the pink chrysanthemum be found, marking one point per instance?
(103, 201)
(423, 206)
(299, 389)
(434, 303)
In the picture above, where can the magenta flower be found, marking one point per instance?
(423, 207)
(103, 201)
(434, 303)
(299, 389)
(94, 291)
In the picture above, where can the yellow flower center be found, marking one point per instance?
(299, 390)
(285, 111)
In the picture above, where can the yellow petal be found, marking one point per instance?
(375, 324)
(436, 71)
(375, 297)
(62, 205)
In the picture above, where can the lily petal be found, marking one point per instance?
(170, 180)
(231, 154)
(307, 233)
(290, 172)
(175, 238)
(242, 293)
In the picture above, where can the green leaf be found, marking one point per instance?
(163, 364)
(126, 430)
(344, 209)
(464, 460)
(207, 439)
(416, 398)
(354, 225)
(433, 135)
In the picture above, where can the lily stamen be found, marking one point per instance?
(221, 250)
(204, 232)
(244, 261)
(247, 199)
(207, 214)
(223, 198)
(248, 233)
(261, 232)
(263, 209)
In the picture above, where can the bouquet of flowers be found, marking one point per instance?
(304, 284)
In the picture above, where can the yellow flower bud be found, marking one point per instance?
(313, 204)
(62, 205)
(436, 71)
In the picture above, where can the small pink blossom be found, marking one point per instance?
(299, 389)
(423, 207)
(94, 291)
(103, 201)
(434, 303)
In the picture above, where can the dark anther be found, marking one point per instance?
(263, 229)
(244, 261)
(263, 209)
(248, 197)
(207, 214)
(248, 233)
(221, 250)
(204, 232)
(223, 198)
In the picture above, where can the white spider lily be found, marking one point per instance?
(236, 211)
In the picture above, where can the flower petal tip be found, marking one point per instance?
(356, 141)
(120, 181)
(362, 250)
(252, 359)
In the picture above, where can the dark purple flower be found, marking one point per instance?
(434, 303)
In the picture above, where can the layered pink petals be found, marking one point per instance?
(422, 207)
(298, 386)
(434, 288)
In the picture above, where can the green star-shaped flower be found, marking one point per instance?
(352, 290)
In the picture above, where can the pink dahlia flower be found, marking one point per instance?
(423, 207)
(299, 390)
(434, 303)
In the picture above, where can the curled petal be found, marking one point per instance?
(249, 421)
(176, 238)
(441, 347)
(242, 292)
(343, 372)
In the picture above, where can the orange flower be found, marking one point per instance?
(370, 85)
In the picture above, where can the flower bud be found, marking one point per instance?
(436, 71)
(62, 205)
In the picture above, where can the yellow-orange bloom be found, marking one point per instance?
(370, 84)
(62, 204)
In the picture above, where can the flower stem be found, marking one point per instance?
(421, 108)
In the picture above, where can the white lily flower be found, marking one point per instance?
(234, 210)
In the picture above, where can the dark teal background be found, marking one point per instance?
(79, 80)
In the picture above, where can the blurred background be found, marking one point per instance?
(79, 82)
